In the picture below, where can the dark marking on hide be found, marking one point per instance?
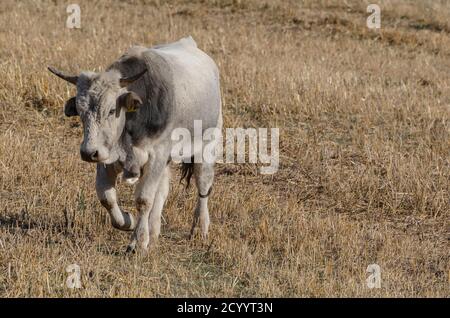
(204, 196)
(153, 88)
(142, 203)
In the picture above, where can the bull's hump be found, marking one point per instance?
(135, 50)
(189, 41)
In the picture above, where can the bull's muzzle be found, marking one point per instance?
(93, 155)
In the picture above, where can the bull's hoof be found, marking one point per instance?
(130, 177)
(195, 233)
(131, 181)
(128, 225)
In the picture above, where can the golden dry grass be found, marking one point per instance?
(364, 174)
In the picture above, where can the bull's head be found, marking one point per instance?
(101, 102)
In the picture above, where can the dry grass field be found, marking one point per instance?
(364, 152)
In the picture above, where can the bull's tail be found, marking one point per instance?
(187, 170)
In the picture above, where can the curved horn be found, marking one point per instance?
(70, 78)
(125, 81)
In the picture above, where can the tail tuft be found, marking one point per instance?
(187, 170)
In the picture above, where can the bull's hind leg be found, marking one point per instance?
(106, 191)
(204, 177)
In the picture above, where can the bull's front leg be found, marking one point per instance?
(147, 199)
(106, 191)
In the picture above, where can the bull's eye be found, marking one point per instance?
(112, 112)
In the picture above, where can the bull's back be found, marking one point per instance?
(194, 82)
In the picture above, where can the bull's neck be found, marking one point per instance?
(120, 148)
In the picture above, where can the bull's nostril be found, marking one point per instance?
(94, 155)
(89, 156)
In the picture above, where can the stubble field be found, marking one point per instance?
(364, 152)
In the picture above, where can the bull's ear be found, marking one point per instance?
(130, 101)
(70, 108)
